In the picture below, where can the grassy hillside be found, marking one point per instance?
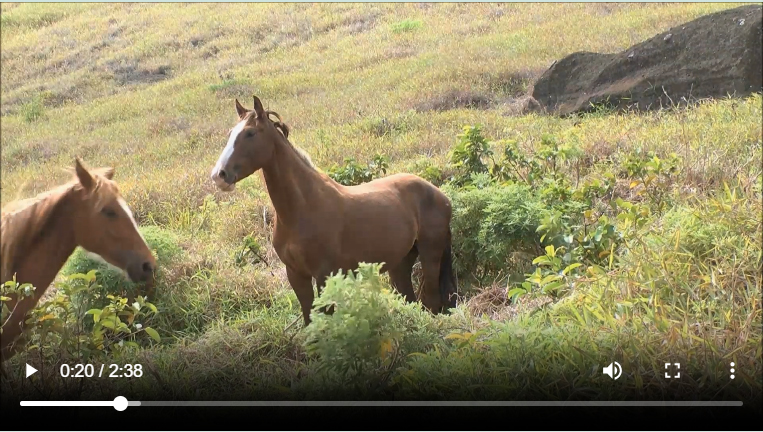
(149, 89)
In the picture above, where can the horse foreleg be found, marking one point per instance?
(320, 283)
(303, 288)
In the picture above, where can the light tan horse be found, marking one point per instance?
(322, 226)
(39, 234)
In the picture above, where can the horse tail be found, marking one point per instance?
(448, 285)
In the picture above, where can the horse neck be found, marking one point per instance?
(40, 262)
(294, 187)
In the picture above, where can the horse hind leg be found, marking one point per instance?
(435, 254)
(430, 254)
(400, 275)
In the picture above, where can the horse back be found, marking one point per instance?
(417, 193)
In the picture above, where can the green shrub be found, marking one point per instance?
(60, 330)
(352, 173)
(467, 157)
(359, 335)
(370, 333)
(427, 170)
(490, 225)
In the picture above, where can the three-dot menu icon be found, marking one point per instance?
(732, 370)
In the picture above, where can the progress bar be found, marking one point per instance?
(120, 403)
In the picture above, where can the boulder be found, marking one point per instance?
(713, 56)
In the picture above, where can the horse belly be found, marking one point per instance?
(385, 236)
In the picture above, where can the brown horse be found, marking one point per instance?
(323, 227)
(39, 235)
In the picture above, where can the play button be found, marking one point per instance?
(30, 370)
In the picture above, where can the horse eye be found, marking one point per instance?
(249, 134)
(109, 212)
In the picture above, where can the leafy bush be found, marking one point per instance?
(359, 336)
(370, 333)
(490, 225)
(467, 156)
(59, 328)
(425, 168)
(352, 173)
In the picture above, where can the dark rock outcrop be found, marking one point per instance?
(713, 56)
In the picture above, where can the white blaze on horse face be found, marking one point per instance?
(127, 210)
(228, 150)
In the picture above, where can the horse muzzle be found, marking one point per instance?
(141, 271)
(225, 182)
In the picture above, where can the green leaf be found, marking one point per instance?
(550, 278)
(110, 324)
(153, 333)
(516, 292)
(571, 267)
(552, 286)
(96, 314)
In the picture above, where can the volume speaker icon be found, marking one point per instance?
(618, 370)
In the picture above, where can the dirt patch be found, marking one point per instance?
(29, 152)
(398, 52)
(711, 57)
(519, 106)
(167, 125)
(493, 303)
(455, 99)
(353, 24)
(197, 42)
(127, 73)
(210, 52)
(511, 84)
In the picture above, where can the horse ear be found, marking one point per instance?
(258, 108)
(84, 176)
(107, 172)
(240, 110)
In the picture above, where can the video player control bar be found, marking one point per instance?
(120, 403)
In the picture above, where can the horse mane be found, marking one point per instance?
(284, 129)
(23, 221)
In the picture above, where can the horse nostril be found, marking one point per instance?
(222, 174)
(147, 267)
